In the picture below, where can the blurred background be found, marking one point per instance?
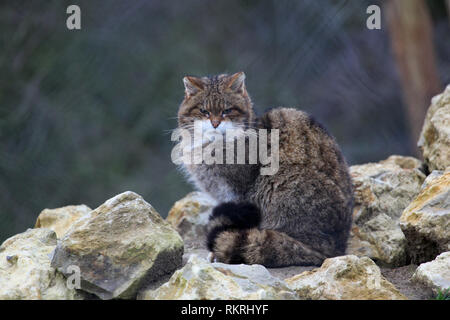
(87, 114)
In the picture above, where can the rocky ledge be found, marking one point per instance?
(399, 246)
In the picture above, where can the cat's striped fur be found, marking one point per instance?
(298, 216)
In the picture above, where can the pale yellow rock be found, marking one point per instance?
(344, 278)
(433, 175)
(434, 140)
(426, 221)
(118, 246)
(381, 239)
(435, 274)
(61, 219)
(189, 216)
(382, 191)
(25, 271)
(201, 280)
(385, 187)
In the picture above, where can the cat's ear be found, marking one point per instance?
(236, 82)
(192, 85)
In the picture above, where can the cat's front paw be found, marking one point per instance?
(211, 257)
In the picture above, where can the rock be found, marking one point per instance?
(426, 221)
(119, 246)
(401, 279)
(189, 216)
(344, 278)
(386, 187)
(25, 271)
(199, 280)
(382, 192)
(434, 141)
(381, 239)
(61, 219)
(433, 175)
(280, 273)
(435, 274)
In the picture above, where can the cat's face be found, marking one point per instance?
(219, 102)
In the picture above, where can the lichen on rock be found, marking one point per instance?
(382, 191)
(344, 278)
(190, 215)
(434, 141)
(381, 239)
(385, 187)
(435, 274)
(200, 280)
(426, 221)
(61, 219)
(25, 271)
(119, 246)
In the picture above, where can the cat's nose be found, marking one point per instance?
(215, 123)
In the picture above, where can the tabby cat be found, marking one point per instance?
(298, 216)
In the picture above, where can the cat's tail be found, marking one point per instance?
(234, 237)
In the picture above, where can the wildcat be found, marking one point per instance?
(300, 215)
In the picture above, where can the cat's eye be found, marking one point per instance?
(227, 111)
(205, 112)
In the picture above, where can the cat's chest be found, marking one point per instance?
(223, 182)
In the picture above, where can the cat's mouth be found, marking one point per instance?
(205, 133)
(222, 126)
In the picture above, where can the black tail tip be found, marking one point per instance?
(242, 215)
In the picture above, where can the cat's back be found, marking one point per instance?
(305, 145)
(301, 137)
